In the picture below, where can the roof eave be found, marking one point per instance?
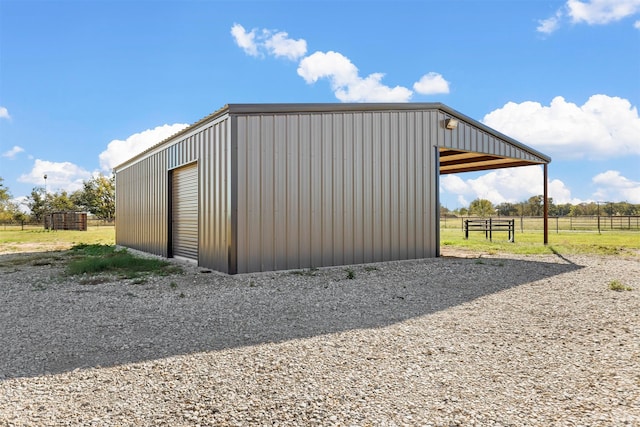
(232, 109)
(494, 132)
(210, 117)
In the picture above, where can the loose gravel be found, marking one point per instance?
(497, 340)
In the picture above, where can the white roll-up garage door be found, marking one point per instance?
(184, 222)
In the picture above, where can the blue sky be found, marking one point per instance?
(86, 84)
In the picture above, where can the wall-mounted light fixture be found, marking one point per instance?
(451, 123)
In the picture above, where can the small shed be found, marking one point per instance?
(66, 221)
(260, 187)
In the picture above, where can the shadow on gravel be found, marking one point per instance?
(56, 326)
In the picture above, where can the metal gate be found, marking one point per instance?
(184, 212)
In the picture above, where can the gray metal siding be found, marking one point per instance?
(141, 205)
(184, 215)
(469, 137)
(281, 189)
(335, 188)
(214, 196)
(142, 194)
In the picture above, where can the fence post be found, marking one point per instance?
(512, 230)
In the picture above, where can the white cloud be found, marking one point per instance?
(591, 12)
(462, 201)
(11, 154)
(636, 25)
(510, 185)
(551, 24)
(343, 75)
(560, 194)
(454, 184)
(21, 202)
(60, 175)
(601, 11)
(345, 81)
(604, 127)
(281, 45)
(332, 65)
(118, 151)
(431, 83)
(614, 187)
(274, 43)
(4, 113)
(244, 39)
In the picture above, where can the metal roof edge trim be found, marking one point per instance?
(211, 117)
(330, 107)
(240, 109)
(494, 132)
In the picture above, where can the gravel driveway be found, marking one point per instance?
(489, 341)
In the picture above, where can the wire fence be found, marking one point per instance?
(522, 223)
(557, 223)
(32, 225)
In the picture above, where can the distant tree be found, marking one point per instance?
(444, 211)
(608, 209)
(60, 202)
(98, 196)
(588, 209)
(18, 215)
(575, 210)
(5, 195)
(592, 209)
(6, 210)
(481, 207)
(41, 203)
(506, 209)
(622, 208)
(461, 211)
(521, 208)
(534, 206)
(559, 210)
(37, 203)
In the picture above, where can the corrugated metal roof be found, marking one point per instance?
(175, 136)
(251, 109)
(339, 107)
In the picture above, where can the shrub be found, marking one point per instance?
(616, 285)
(95, 259)
(350, 274)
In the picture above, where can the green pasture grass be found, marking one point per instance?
(617, 242)
(97, 259)
(530, 243)
(38, 239)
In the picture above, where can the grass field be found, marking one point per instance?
(565, 223)
(566, 242)
(38, 240)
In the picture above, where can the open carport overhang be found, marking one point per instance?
(456, 161)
